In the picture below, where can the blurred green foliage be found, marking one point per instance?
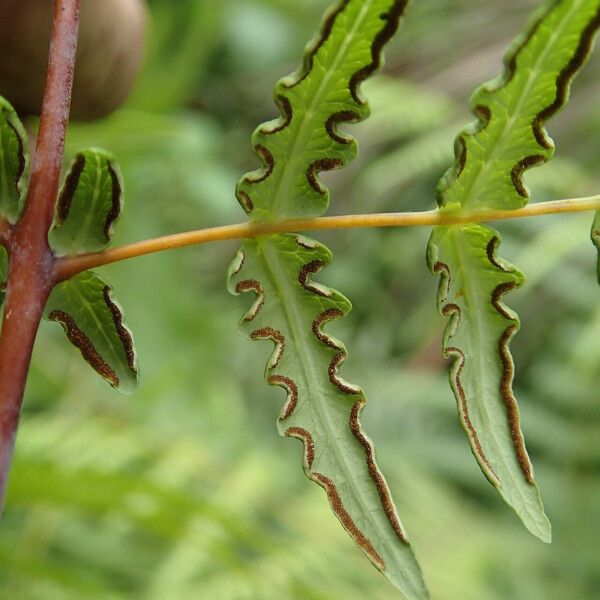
(185, 490)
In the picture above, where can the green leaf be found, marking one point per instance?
(89, 203)
(314, 101)
(473, 283)
(14, 162)
(491, 157)
(509, 136)
(595, 235)
(322, 410)
(93, 322)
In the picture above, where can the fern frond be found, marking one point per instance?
(509, 135)
(491, 157)
(290, 309)
(323, 94)
(322, 410)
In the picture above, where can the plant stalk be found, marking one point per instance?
(69, 266)
(31, 272)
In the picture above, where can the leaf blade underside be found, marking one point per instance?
(93, 323)
(483, 387)
(322, 410)
(89, 204)
(491, 157)
(509, 135)
(291, 310)
(14, 162)
(314, 101)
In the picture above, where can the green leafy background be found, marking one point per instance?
(185, 489)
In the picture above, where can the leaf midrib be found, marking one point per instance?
(86, 305)
(90, 211)
(490, 160)
(474, 307)
(291, 312)
(298, 136)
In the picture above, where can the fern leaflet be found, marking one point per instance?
(491, 157)
(322, 410)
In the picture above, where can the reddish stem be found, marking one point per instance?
(31, 266)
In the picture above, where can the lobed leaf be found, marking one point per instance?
(322, 410)
(93, 322)
(491, 157)
(509, 136)
(477, 338)
(291, 310)
(314, 102)
(89, 203)
(14, 162)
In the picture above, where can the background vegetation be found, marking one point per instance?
(185, 489)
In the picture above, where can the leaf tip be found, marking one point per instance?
(541, 528)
